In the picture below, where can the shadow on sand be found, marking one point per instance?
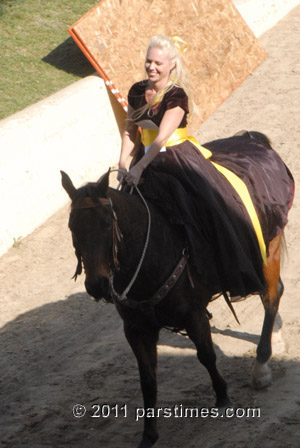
(74, 351)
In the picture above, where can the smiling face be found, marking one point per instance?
(158, 66)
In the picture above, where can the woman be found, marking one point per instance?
(165, 70)
(180, 176)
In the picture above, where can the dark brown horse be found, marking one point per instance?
(119, 239)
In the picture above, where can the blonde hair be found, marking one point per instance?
(178, 75)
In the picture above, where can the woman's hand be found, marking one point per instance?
(121, 174)
(134, 175)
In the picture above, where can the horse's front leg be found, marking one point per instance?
(261, 373)
(143, 343)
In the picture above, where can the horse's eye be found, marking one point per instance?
(107, 222)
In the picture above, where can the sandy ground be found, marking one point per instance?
(59, 348)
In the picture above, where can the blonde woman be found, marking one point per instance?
(230, 198)
(159, 104)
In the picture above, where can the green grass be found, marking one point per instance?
(38, 57)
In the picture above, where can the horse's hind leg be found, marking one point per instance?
(198, 329)
(261, 373)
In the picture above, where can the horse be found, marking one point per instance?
(118, 238)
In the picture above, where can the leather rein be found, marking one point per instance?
(117, 237)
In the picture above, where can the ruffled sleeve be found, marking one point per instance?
(176, 97)
(173, 98)
(136, 95)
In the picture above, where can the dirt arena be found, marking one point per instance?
(59, 348)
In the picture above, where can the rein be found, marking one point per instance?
(149, 304)
(122, 297)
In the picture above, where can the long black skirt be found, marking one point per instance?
(195, 196)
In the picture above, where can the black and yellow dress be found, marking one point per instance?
(230, 197)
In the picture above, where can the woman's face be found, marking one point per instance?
(158, 66)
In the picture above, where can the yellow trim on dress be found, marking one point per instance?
(180, 136)
(242, 190)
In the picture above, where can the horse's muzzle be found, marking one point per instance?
(99, 289)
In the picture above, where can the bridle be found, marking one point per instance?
(88, 202)
(147, 306)
(121, 298)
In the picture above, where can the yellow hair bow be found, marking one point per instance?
(180, 43)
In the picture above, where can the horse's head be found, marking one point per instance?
(91, 223)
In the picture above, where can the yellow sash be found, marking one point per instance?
(180, 136)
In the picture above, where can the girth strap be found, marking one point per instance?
(161, 292)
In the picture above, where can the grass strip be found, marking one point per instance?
(38, 57)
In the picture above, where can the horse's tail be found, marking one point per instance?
(259, 136)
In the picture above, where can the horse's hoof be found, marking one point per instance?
(223, 403)
(261, 375)
(224, 412)
(147, 442)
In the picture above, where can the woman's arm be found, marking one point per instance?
(128, 141)
(169, 123)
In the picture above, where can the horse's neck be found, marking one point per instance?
(130, 211)
(158, 255)
(134, 217)
(126, 205)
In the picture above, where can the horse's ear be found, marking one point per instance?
(102, 185)
(68, 185)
